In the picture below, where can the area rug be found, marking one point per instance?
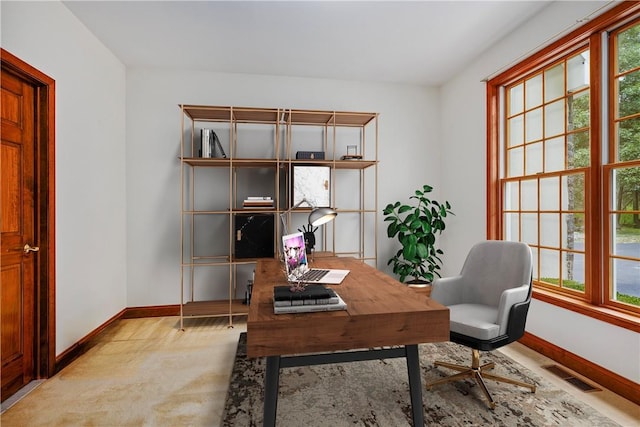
(376, 393)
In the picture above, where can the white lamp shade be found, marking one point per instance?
(321, 216)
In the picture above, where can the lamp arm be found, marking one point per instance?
(297, 205)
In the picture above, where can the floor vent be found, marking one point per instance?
(571, 379)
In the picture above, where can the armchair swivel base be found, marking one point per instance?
(479, 374)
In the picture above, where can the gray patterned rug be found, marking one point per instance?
(376, 393)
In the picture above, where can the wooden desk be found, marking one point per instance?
(380, 312)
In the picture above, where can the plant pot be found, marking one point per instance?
(418, 285)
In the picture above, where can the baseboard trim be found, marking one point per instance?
(82, 346)
(85, 343)
(614, 382)
(151, 311)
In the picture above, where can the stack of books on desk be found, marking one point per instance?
(258, 202)
(312, 298)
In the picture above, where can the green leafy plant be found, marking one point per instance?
(416, 228)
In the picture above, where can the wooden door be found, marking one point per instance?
(17, 227)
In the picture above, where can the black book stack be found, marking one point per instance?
(283, 296)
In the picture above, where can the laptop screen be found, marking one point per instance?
(295, 256)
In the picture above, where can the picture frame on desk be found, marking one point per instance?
(312, 183)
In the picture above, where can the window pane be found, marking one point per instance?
(626, 281)
(573, 231)
(511, 194)
(554, 118)
(529, 229)
(533, 158)
(554, 82)
(578, 110)
(512, 227)
(529, 198)
(629, 93)
(573, 271)
(516, 131)
(578, 72)
(578, 150)
(554, 155)
(516, 99)
(629, 138)
(573, 192)
(515, 162)
(549, 265)
(628, 47)
(534, 252)
(550, 194)
(533, 91)
(626, 184)
(550, 230)
(625, 237)
(533, 125)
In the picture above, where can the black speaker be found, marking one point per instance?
(254, 235)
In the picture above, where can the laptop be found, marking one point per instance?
(297, 267)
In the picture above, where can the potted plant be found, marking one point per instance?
(416, 228)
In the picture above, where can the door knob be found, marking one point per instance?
(28, 248)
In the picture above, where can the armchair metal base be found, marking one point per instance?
(479, 374)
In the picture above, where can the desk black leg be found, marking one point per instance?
(415, 387)
(271, 379)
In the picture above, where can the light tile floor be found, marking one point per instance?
(621, 410)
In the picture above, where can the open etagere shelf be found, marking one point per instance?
(260, 146)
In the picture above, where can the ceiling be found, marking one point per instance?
(414, 42)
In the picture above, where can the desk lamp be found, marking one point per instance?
(318, 216)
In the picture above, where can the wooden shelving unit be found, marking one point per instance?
(263, 142)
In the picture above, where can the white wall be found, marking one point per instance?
(463, 183)
(407, 131)
(90, 161)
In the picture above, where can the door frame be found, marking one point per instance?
(45, 271)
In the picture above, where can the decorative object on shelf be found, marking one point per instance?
(352, 153)
(254, 235)
(416, 228)
(310, 155)
(312, 183)
(210, 145)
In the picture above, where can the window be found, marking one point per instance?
(564, 165)
(547, 157)
(622, 170)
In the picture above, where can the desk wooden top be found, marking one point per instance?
(380, 312)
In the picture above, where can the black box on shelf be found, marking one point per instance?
(254, 236)
(310, 155)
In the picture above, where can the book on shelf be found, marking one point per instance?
(257, 206)
(312, 298)
(258, 202)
